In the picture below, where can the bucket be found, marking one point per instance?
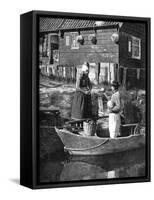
(89, 128)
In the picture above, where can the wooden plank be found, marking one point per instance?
(124, 76)
(99, 37)
(89, 43)
(136, 29)
(99, 31)
(100, 42)
(94, 49)
(102, 36)
(80, 58)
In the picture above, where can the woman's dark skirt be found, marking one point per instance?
(81, 106)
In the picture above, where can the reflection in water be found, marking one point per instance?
(71, 168)
(81, 171)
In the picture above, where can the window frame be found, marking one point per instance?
(74, 37)
(133, 38)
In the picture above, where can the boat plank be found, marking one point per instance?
(93, 145)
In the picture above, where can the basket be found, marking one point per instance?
(89, 128)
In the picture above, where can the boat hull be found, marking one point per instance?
(93, 145)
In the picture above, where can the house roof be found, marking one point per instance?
(55, 24)
(77, 23)
(49, 24)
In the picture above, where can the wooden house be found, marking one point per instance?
(113, 50)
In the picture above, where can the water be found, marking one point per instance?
(60, 167)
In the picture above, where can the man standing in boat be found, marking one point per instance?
(81, 106)
(114, 106)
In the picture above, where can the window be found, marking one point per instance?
(74, 44)
(56, 56)
(67, 40)
(135, 47)
(44, 47)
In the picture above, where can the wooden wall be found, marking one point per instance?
(104, 51)
(127, 30)
(132, 77)
(132, 71)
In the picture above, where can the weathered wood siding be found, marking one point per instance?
(104, 51)
(126, 31)
(132, 73)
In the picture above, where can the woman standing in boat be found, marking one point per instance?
(114, 106)
(81, 106)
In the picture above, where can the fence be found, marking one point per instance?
(108, 72)
(132, 77)
(102, 73)
(60, 72)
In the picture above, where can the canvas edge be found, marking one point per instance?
(35, 184)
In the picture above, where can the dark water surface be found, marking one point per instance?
(62, 167)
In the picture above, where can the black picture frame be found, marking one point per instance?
(29, 99)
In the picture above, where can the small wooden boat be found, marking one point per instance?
(76, 144)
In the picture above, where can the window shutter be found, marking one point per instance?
(129, 46)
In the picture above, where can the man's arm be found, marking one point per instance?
(117, 105)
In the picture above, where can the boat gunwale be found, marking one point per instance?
(99, 138)
(88, 148)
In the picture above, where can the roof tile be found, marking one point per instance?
(53, 24)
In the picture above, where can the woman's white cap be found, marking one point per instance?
(84, 68)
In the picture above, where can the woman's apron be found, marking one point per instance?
(114, 124)
(81, 106)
